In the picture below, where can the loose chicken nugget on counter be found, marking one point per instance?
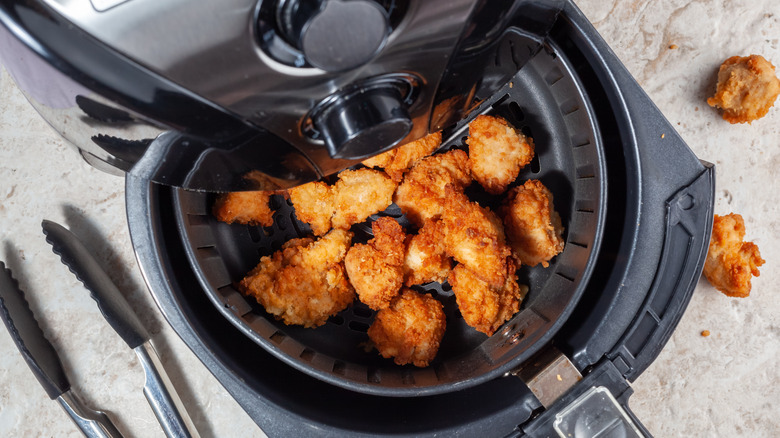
(313, 204)
(410, 330)
(248, 208)
(474, 236)
(352, 199)
(426, 259)
(360, 193)
(397, 161)
(375, 269)
(484, 307)
(497, 152)
(731, 262)
(747, 88)
(533, 227)
(425, 189)
(305, 282)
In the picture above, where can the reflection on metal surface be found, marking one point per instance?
(162, 396)
(93, 424)
(549, 375)
(219, 84)
(595, 414)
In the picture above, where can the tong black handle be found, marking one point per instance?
(85, 267)
(28, 336)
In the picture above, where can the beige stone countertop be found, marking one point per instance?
(723, 385)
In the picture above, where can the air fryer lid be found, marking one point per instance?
(242, 106)
(544, 100)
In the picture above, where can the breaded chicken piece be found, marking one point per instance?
(426, 259)
(397, 161)
(484, 307)
(424, 192)
(305, 282)
(474, 236)
(380, 161)
(731, 262)
(497, 152)
(352, 199)
(248, 208)
(533, 227)
(360, 193)
(410, 330)
(747, 88)
(313, 204)
(375, 269)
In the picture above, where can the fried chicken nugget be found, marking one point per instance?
(305, 282)
(484, 307)
(426, 259)
(532, 225)
(497, 152)
(474, 236)
(410, 330)
(747, 88)
(731, 262)
(352, 199)
(375, 269)
(424, 191)
(360, 193)
(313, 204)
(248, 208)
(397, 161)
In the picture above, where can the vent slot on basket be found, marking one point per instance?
(358, 326)
(307, 355)
(278, 337)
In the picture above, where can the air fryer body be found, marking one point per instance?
(247, 94)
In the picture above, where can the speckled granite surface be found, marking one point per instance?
(724, 385)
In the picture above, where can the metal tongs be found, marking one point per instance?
(45, 363)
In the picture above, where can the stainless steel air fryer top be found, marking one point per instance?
(248, 94)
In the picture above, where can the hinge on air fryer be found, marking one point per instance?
(593, 405)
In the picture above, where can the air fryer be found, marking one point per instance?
(636, 204)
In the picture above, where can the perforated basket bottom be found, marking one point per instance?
(545, 101)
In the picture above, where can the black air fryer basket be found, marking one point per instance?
(636, 205)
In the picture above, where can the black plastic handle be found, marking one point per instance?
(110, 301)
(28, 336)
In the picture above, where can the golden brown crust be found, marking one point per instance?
(305, 282)
(533, 227)
(409, 154)
(426, 259)
(313, 204)
(360, 193)
(484, 307)
(352, 199)
(425, 189)
(375, 269)
(380, 161)
(397, 161)
(474, 236)
(497, 152)
(747, 88)
(248, 208)
(731, 262)
(410, 330)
